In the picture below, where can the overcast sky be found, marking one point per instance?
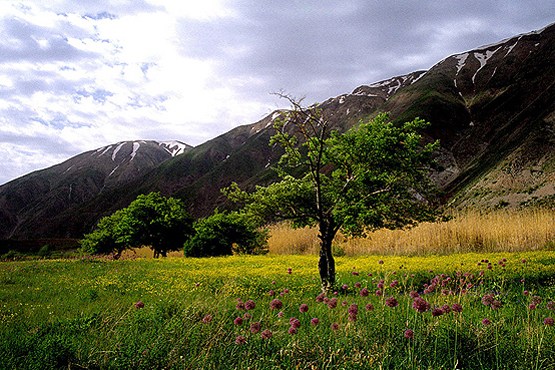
(78, 75)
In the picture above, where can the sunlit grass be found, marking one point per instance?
(82, 313)
(501, 231)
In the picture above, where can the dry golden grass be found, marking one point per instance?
(501, 231)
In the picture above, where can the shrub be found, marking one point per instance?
(224, 234)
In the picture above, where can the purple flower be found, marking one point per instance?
(271, 293)
(315, 321)
(445, 308)
(276, 304)
(536, 300)
(394, 283)
(456, 307)
(344, 287)
(238, 321)
(487, 299)
(548, 321)
(364, 292)
(369, 307)
(266, 334)
(247, 316)
(292, 330)
(355, 273)
(335, 326)
(420, 305)
(353, 309)
(240, 340)
(379, 293)
(207, 319)
(139, 304)
(531, 306)
(332, 303)
(353, 317)
(289, 270)
(551, 305)
(240, 305)
(380, 262)
(294, 322)
(409, 334)
(391, 302)
(358, 284)
(437, 312)
(303, 308)
(281, 314)
(495, 304)
(320, 297)
(414, 294)
(255, 327)
(486, 322)
(250, 305)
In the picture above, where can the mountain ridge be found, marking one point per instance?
(492, 108)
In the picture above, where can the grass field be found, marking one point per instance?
(467, 311)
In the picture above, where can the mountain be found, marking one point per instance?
(492, 108)
(30, 205)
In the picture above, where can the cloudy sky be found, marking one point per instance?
(78, 75)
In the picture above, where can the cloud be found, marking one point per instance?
(75, 76)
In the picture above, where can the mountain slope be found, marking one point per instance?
(492, 108)
(28, 205)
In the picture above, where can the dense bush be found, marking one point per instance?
(224, 234)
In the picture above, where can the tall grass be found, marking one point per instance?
(501, 231)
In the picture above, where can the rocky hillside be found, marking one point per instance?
(492, 108)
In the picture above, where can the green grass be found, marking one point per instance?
(82, 314)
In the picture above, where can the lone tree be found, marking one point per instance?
(150, 220)
(376, 175)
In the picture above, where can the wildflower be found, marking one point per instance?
(358, 284)
(344, 287)
(240, 305)
(255, 327)
(285, 291)
(335, 326)
(355, 273)
(486, 322)
(531, 306)
(315, 321)
(526, 293)
(445, 308)
(551, 305)
(303, 308)
(320, 297)
(294, 322)
(276, 304)
(139, 304)
(548, 321)
(238, 321)
(379, 293)
(420, 305)
(394, 283)
(369, 307)
(271, 293)
(266, 334)
(353, 309)
(352, 317)
(523, 260)
(487, 299)
(207, 319)
(247, 316)
(380, 262)
(414, 294)
(391, 302)
(281, 314)
(240, 340)
(456, 307)
(409, 334)
(381, 284)
(495, 304)
(292, 330)
(344, 303)
(289, 270)
(536, 300)
(250, 305)
(332, 303)
(437, 312)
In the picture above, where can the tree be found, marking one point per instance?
(224, 234)
(150, 220)
(375, 175)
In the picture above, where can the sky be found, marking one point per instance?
(79, 75)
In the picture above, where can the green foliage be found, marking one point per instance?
(375, 175)
(153, 220)
(224, 234)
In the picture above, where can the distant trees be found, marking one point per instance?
(225, 234)
(376, 175)
(151, 220)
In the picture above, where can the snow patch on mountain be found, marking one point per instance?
(483, 59)
(174, 147)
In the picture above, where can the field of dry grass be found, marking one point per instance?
(501, 231)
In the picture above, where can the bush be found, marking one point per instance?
(224, 234)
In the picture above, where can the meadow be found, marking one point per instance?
(482, 310)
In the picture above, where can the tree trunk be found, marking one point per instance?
(326, 264)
